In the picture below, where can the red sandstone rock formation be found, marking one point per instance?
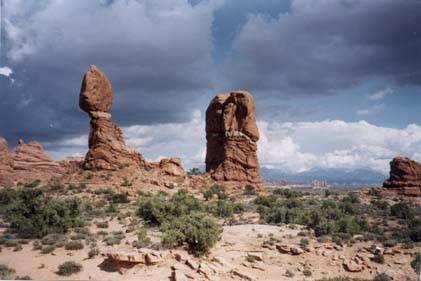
(231, 134)
(6, 163)
(107, 149)
(404, 172)
(172, 167)
(27, 162)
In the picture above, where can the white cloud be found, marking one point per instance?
(289, 146)
(380, 94)
(6, 71)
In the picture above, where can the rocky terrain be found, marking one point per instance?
(113, 215)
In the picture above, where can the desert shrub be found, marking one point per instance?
(114, 238)
(307, 272)
(286, 192)
(390, 243)
(221, 208)
(382, 277)
(102, 224)
(217, 190)
(36, 245)
(93, 253)
(68, 268)
(379, 258)
(11, 243)
(33, 215)
(159, 208)
(33, 184)
(249, 190)
(374, 192)
(289, 273)
(416, 263)
(48, 249)
(197, 230)
(119, 198)
(6, 273)
(142, 239)
(52, 239)
(7, 196)
(402, 210)
(304, 243)
(73, 245)
(26, 277)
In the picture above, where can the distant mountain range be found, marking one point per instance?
(335, 177)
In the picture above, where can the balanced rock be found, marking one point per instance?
(107, 149)
(232, 135)
(404, 172)
(96, 93)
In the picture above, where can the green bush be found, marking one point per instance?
(142, 239)
(33, 184)
(103, 224)
(33, 215)
(307, 272)
(119, 198)
(402, 210)
(6, 273)
(159, 208)
(217, 190)
(416, 263)
(221, 208)
(249, 190)
(196, 229)
(93, 253)
(304, 243)
(48, 249)
(382, 277)
(68, 268)
(73, 245)
(379, 258)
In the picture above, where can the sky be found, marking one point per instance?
(337, 83)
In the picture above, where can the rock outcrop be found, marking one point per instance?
(107, 149)
(232, 135)
(172, 167)
(404, 172)
(6, 163)
(27, 162)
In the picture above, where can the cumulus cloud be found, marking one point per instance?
(157, 55)
(335, 144)
(321, 47)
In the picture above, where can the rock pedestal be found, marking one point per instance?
(232, 135)
(107, 149)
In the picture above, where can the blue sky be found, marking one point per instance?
(337, 83)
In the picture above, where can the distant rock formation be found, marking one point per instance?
(232, 135)
(27, 162)
(404, 172)
(172, 167)
(107, 149)
(6, 163)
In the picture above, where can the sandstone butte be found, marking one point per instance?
(232, 135)
(404, 174)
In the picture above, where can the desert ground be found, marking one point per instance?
(258, 241)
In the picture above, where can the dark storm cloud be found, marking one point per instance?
(155, 53)
(322, 47)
